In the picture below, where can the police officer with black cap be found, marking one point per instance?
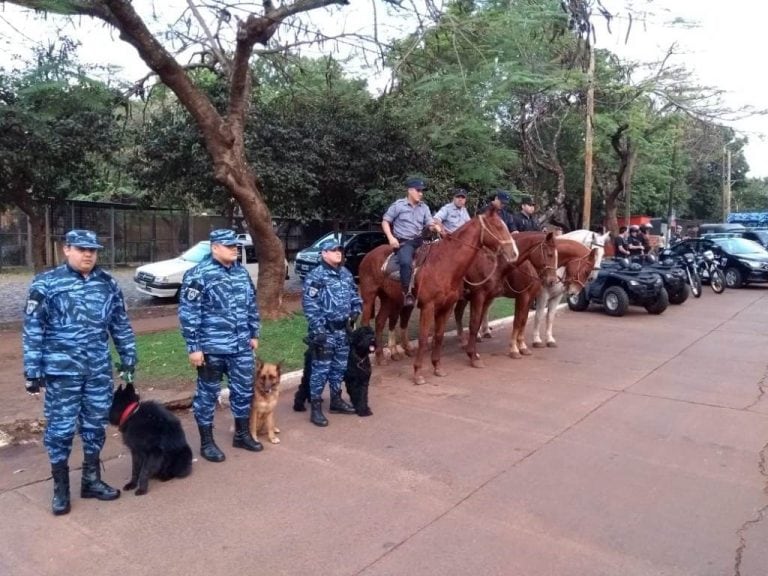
(523, 221)
(403, 224)
(71, 313)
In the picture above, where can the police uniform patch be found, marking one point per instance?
(312, 292)
(192, 293)
(31, 305)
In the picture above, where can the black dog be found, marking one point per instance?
(357, 377)
(154, 436)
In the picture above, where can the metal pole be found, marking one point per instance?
(112, 237)
(30, 262)
(587, 214)
(48, 240)
(727, 207)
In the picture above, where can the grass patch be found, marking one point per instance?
(163, 355)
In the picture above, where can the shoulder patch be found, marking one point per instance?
(34, 300)
(193, 291)
(312, 292)
(31, 305)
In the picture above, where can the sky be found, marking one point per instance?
(721, 43)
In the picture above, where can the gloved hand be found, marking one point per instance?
(126, 372)
(33, 385)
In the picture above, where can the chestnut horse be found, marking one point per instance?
(487, 278)
(577, 264)
(437, 282)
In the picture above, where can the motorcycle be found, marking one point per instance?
(692, 273)
(709, 268)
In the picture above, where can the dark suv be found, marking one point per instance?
(742, 260)
(356, 243)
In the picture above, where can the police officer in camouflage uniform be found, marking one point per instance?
(71, 312)
(330, 301)
(219, 317)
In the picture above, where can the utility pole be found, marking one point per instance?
(588, 137)
(727, 207)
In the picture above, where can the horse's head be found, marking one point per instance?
(579, 271)
(543, 256)
(495, 235)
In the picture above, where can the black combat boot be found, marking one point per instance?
(339, 405)
(60, 502)
(243, 438)
(208, 448)
(317, 417)
(92, 485)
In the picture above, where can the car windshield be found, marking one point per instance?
(740, 246)
(197, 252)
(344, 239)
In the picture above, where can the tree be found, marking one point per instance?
(223, 131)
(56, 125)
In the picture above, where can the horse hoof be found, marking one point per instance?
(538, 345)
(525, 352)
(440, 372)
(477, 363)
(487, 336)
(515, 355)
(418, 380)
(396, 357)
(551, 344)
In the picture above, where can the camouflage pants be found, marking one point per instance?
(330, 364)
(71, 402)
(239, 371)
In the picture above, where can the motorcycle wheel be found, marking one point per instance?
(695, 281)
(717, 280)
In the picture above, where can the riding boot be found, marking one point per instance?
(243, 438)
(339, 405)
(60, 502)
(92, 486)
(317, 417)
(408, 300)
(208, 448)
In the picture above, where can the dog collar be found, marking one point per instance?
(128, 412)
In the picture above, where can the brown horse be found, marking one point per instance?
(437, 282)
(577, 262)
(487, 278)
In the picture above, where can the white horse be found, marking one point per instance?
(549, 297)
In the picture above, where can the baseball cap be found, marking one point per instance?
(417, 183)
(460, 192)
(224, 237)
(82, 239)
(330, 244)
(502, 195)
(527, 200)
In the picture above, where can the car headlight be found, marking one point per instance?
(634, 283)
(161, 279)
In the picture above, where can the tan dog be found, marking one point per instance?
(266, 391)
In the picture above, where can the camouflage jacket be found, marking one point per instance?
(330, 297)
(218, 310)
(68, 320)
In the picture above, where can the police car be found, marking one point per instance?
(163, 279)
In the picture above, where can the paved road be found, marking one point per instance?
(14, 287)
(636, 448)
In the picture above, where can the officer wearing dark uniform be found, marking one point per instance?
(330, 301)
(219, 317)
(634, 241)
(499, 199)
(403, 224)
(523, 221)
(71, 312)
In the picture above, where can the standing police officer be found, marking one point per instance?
(453, 215)
(71, 312)
(219, 319)
(330, 300)
(403, 223)
(523, 221)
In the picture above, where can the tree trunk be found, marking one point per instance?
(627, 155)
(36, 214)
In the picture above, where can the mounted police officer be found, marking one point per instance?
(523, 221)
(71, 312)
(499, 199)
(403, 223)
(219, 317)
(453, 215)
(331, 302)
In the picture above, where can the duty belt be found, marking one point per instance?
(337, 324)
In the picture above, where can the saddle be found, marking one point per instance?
(391, 265)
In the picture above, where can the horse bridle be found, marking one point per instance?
(484, 228)
(581, 283)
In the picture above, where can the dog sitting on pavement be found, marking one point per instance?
(154, 436)
(266, 391)
(357, 377)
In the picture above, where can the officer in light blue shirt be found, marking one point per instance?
(454, 215)
(219, 317)
(403, 224)
(71, 313)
